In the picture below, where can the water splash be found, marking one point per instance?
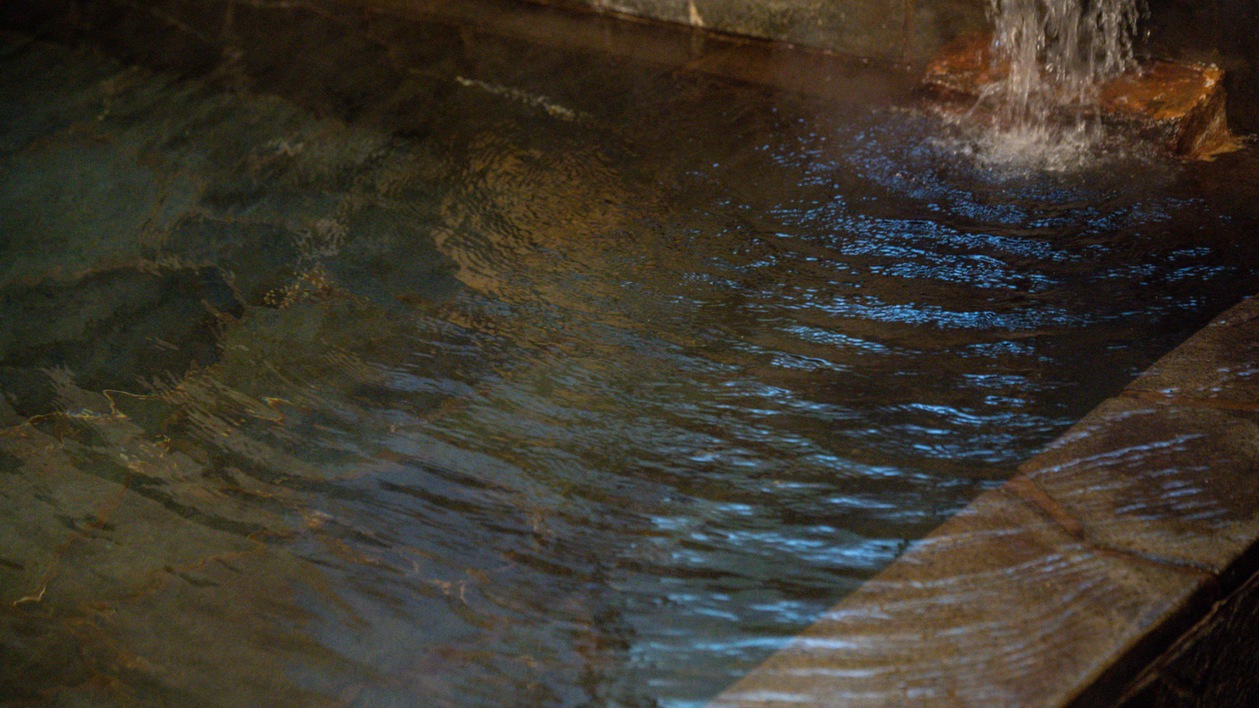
(1055, 55)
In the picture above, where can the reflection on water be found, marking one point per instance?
(359, 359)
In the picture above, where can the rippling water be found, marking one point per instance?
(361, 359)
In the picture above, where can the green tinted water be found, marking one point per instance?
(348, 358)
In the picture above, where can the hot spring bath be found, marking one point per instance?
(350, 357)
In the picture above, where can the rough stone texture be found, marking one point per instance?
(1220, 32)
(1001, 605)
(1180, 106)
(869, 28)
(1064, 583)
(903, 31)
(1216, 664)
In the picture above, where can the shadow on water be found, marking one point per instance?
(351, 358)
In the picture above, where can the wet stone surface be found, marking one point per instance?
(888, 30)
(999, 605)
(1218, 366)
(1179, 106)
(1174, 484)
(122, 329)
(349, 357)
(1148, 509)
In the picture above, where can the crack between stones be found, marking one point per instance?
(1026, 489)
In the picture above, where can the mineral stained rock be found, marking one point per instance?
(1179, 106)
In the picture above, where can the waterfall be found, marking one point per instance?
(1055, 55)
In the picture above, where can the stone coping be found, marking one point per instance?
(904, 31)
(1060, 586)
(809, 71)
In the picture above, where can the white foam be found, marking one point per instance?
(1058, 52)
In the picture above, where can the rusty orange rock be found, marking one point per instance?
(1180, 106)
(963, 68)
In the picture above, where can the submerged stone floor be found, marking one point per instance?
(1116, 566)
(169, 459)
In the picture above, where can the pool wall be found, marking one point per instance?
(1118, 567)
(910, 32)
(905, 31)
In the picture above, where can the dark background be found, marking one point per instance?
(1223, 32)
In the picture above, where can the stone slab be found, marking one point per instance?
(901, 31)
(1218, 365)
(1173, 484)
(867, 28)
(1061, 586)
(613, 32)
(1220, 32)
(1180, 106)
(1001, 605)
(963, 68)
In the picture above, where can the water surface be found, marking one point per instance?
(351, 358)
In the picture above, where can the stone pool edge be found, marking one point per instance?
(1081, 581)
(804, 70)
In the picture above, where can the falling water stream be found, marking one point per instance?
(1057, 54)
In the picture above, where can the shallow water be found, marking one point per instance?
(350, 358)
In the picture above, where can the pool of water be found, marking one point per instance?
(351, 358)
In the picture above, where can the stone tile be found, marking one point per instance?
(1219, 364)
(1002, 604)
(867, 28)
(1172, 483)
(111, 329)
(121, 585)
(43, 499)
(809, 73)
